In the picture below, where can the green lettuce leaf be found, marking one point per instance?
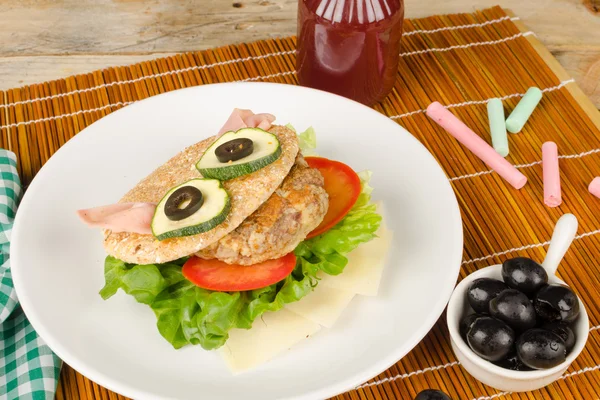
(187, 314)
(307, 141)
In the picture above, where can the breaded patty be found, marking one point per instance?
(247, 193)
(280, 224)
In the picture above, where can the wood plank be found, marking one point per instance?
(25, 70)
(142, 30)
(36, 27)
(584, 66)
(48, 27)
(479, 198)
(585, 103)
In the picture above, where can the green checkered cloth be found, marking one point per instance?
(28, 368)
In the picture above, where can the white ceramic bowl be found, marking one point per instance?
(498, 377)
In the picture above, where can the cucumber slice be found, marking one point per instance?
(213, 211)
(266, 150)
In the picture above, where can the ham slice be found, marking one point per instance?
(137, 217)
(240, 118)
(121, 217)
(233, 123)
(262, 121)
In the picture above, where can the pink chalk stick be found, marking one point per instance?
(477, 145)
(552, 196)
(594, 187)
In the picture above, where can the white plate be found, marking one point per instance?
(57, 262)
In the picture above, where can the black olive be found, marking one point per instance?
(466, 323)
(556, 303)
(234, 150)
(490, 338)
(481, 291)
(183, 202)
(563, 330)
(431, 394)
(514, 308)
(512, 362)
(541, 349)
(524, 274)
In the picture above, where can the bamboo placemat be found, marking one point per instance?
(459, 60)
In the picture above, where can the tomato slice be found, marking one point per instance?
(342, 185)
(219, 276)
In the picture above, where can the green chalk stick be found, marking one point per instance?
(523, 110)
(498, 126)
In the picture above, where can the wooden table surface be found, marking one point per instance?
(41, 40)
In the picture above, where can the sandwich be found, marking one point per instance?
(238, 225)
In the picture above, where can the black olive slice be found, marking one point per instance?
(234, 150)
(183, 202)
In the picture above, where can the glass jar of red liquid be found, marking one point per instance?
(350, 47)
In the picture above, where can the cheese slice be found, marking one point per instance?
(276, 332)
(365, 266)
(270, 335)
(323, 305)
